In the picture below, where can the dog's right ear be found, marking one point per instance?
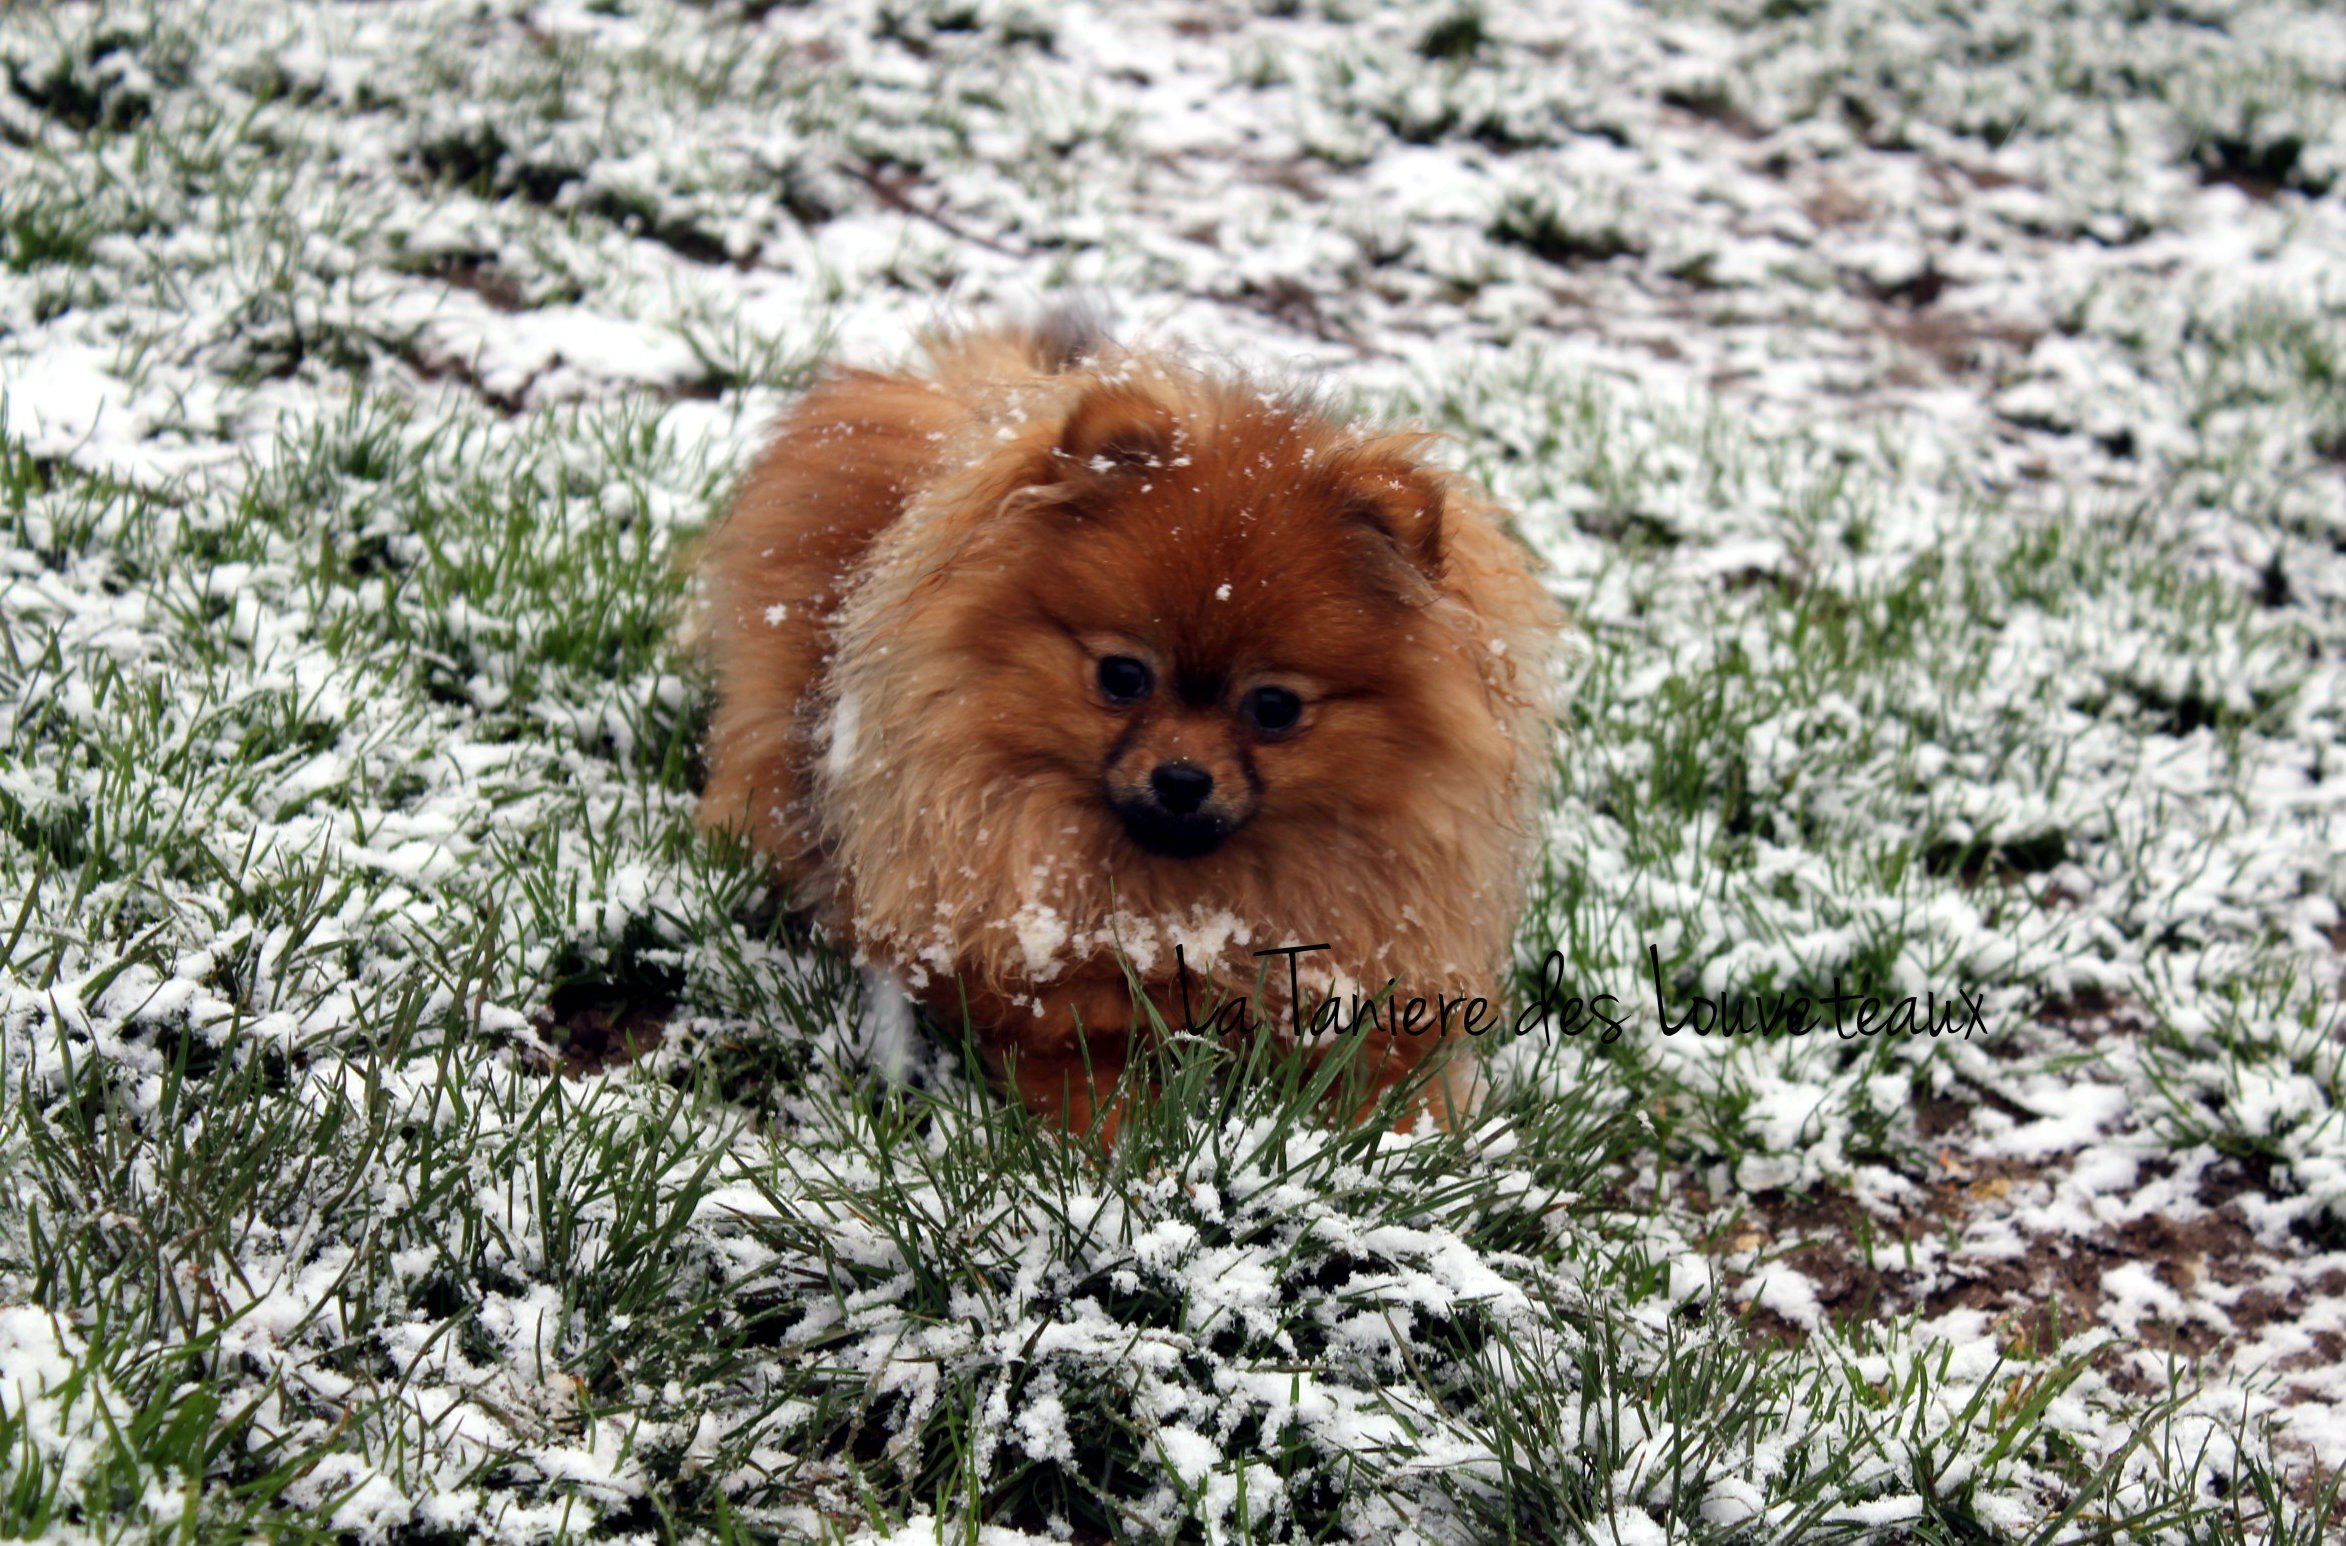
(1114, 428)
(1113, 432)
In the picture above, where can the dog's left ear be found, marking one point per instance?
(1404, 505)
(1117, 427)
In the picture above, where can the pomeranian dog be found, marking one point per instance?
(1057, 676)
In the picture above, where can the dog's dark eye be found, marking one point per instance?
(1124, 679)
(1270, 710)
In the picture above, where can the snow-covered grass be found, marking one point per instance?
(1934, 416)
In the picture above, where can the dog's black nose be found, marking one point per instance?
(1181, 787)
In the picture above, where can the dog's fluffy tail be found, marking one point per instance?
(1053, 342)
(1070, 333)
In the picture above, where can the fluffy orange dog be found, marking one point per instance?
(1052, 657)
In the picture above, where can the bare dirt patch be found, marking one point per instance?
(597, 1035)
